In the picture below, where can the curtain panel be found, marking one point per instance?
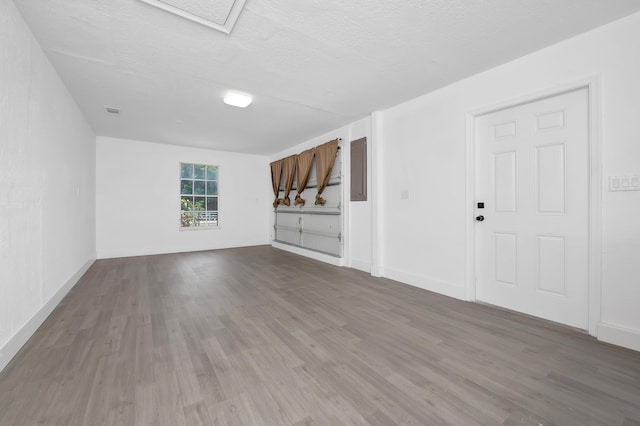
(288, 173)
(325, 157)
(304, 162)
(276, 174)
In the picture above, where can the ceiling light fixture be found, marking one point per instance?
(236, 99)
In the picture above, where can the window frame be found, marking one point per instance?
(198, 225)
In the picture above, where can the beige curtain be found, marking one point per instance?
(288, 173)
(304, 160)
(276, 173)
(325, 157)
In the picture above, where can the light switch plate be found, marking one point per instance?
(624, 183)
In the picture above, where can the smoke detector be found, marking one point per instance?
(113, 111)
(220, 15)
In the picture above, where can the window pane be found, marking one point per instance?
(206, 217)
(186, 219)
(199, 171)
(212, 188)
(198, 204)
(186, 203)
(212, 203)
(198, 187)
(212, 172)
(186, 171)
(186, 187)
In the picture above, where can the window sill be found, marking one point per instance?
(199, 228)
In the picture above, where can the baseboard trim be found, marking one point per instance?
(427, 283)
(326, 258)
(110, 254)
(361, 265)
(17, 341)
(377, 271)
(620, 336)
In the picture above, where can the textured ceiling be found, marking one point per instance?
(311, 66)
(213, 10)
(220, 15)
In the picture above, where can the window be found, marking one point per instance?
(198, 195)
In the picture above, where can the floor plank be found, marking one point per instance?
(260, 336)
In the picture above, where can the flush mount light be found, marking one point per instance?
(236, 99)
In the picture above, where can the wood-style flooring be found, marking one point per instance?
(258, 336)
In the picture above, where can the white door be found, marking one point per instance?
(532, 164)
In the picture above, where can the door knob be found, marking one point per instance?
(480, 218)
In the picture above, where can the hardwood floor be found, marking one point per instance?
(256, 336)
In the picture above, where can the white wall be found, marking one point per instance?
(359, 218)
(138, 199)
(423, 151)
(47, 183)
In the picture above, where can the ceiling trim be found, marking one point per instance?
(230, 22)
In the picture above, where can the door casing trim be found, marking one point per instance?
(592, 84)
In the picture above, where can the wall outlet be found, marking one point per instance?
(404, 194)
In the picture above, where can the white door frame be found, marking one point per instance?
(592, 84)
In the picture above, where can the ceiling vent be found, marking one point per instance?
(220, 15)
(112, 111)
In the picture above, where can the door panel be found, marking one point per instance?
(505, 172)
(551, 265)
(532, 164)
(506, 256)
(550, 179)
